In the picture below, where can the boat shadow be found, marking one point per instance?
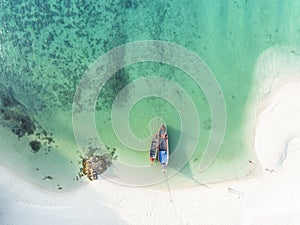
(186, 171)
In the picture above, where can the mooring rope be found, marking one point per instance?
(171, 198)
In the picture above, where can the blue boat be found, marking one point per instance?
(163, 147)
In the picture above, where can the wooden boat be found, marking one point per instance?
(163, 147)
(153, 149)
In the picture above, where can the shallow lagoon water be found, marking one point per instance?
(47, 47)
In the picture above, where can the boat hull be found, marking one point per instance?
(163, 148)
(154, 148)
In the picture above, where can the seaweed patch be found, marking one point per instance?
(48, 178)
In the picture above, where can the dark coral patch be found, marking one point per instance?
(35, 145)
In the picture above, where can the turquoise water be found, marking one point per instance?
(46, 47)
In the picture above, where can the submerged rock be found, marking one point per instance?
(93, 166)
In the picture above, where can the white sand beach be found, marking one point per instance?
(271, 198)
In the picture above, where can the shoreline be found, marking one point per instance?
(241, 201)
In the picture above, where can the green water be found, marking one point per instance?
(46, 47)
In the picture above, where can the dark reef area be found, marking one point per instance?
(16, 117)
